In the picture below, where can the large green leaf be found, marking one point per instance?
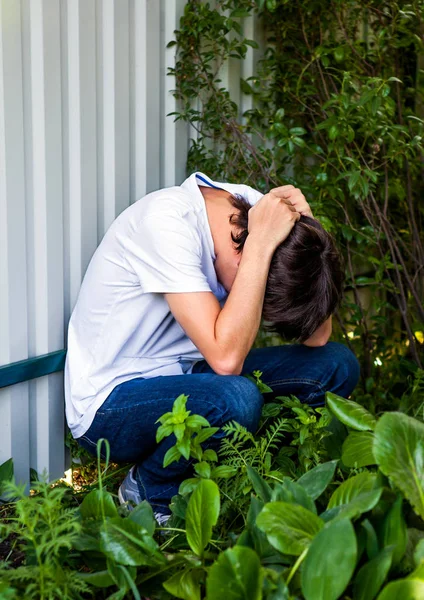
(184, 584)
(289, 527)
(143, 515)
(236, 575)
(399, 451)
(353, 497)
(91, 506)
(201, 515)
(353, 487)
(127, 543)
(100, 579)
(404, 589)
(371, 576)
(6, 472)
(260, 486)
(292, 492)
(253, 536)
(317, 479)
(357, 449)
(350, 413)
(330, 561)
(394, 531)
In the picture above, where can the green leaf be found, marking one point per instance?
(321, 178)
(6, 473)
(183, 446)
(196, 421)
(127, 543)
(179, 431)
(289, 527)
(91, 506)
(163, 431)
(172, 455)
(184, 584)
(205, 434)
(292, 492)
(100, 579)
(143, 515)
(239, 13)
(357, 449)
(297, 131)
(399, 452)
(179, 504)
(350, 413)
(260, 486)
(330, 562)
(419, 552)
(394, 531)
(404, 589)
(316, 480)
(223, 472)
(203, 469)
(236, 575)
(210, 455)
(179, 406)
(201, 515)
(371, 543)
(333, 132)
(372, 575)
(258, 539)
(352, 488)
(188, 485)
(353, 497)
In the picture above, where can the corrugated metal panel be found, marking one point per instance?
(84, 96)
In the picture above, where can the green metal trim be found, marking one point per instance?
(24, 370)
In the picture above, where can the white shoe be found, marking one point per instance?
(128, 494)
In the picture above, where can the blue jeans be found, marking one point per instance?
(128, 416)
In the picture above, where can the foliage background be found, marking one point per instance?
(337, 106)
(337, 110)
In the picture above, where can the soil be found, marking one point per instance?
(9, 550)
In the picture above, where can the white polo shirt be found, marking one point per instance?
(121, 326)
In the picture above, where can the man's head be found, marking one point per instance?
(305, 278)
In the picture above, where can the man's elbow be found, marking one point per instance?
(317, 343)
(228, 366)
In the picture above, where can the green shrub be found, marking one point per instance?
(346, 523)
(335, 107)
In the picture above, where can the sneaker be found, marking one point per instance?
(128, 494)
(161, 519)
(128, 490)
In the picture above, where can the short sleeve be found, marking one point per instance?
(165, 252)
(252, 195)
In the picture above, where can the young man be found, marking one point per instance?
(171, 303)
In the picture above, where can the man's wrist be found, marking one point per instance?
(262, 247)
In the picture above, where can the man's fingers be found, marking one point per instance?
(283, 189)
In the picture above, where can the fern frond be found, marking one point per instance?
(238, 432)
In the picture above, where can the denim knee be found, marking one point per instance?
(243, 401)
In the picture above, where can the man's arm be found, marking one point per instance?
(225, 336)
(321, 335)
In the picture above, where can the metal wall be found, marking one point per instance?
(83, 133)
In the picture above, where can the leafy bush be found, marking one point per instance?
(334, 106)
(343, 522)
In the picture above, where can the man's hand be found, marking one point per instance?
(272, 218)
(296, 198)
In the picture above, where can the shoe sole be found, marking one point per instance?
(120, 496)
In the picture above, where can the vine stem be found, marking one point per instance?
(296, 565)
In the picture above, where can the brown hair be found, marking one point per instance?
(305, 279)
